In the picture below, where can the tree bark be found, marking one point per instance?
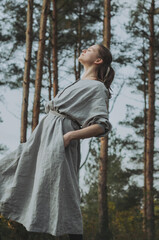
(40, 58)
(50, 85)
(103, 229)
(150, 129)
(79, 30)
(145, 144)
(75, 67)
(26, 77)
(54, 52)
(102, 191)
(106, 24)
(50, 72)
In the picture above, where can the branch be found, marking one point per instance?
(87, 154)
(117, 95)
(156, 11)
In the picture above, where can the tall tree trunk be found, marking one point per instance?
(102, 186)
(145, 143)
(79, 30)
(26, 78)
(106, 24)
(150, 129)
(49, 70)
(50, 57)
(40, 58)
(54, 53)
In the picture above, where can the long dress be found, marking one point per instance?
(39, 180)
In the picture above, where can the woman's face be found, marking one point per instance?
(89, 55)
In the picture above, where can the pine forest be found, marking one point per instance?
(40, 42)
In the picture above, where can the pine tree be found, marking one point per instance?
(140, 30)
(26, 80)
(40, 58)
(54, 47)
(102, 186)
(120, 193)
(150, 129)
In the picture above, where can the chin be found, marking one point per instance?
(79, 59)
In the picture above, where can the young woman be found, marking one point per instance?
(40, 179)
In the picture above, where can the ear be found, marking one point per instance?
(98, 61)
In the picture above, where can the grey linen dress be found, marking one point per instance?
(39, 181)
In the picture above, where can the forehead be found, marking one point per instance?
(94, 47)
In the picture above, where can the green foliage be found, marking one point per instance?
(124, 197)
(89, 210)
(126, 224)
(11, 230)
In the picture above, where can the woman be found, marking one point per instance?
(40, 179)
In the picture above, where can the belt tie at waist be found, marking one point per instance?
(65, 116)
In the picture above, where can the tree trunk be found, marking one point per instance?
(106, 24)
(103, 230)
(49, 59)
(26, 78)
(145, 144)
(50, 72)
(40, 58)
(79, 39)
(75, 67)
(150, 129)
(54, 53)
(102, 191)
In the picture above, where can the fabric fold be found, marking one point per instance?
(49, 105)
(103, 122)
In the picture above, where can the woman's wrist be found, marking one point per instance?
(72, 135)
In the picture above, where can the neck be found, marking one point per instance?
(89, 73)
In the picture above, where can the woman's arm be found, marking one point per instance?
(87, 132)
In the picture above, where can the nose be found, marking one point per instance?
(84, 50)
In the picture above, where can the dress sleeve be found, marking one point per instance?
(101, 121)
(97, 111)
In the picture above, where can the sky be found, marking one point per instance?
(11, 100)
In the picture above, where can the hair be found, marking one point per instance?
(105, 72)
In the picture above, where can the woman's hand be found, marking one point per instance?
(87, 132)
(67, 138)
